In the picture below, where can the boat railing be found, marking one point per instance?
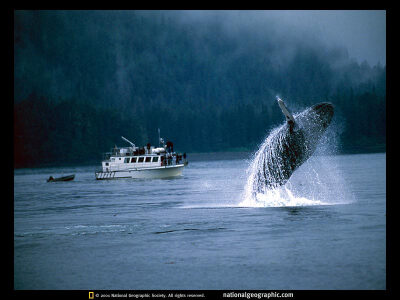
(129, 152)
(107, 155)
(123, 166)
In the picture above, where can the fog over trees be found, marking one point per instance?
(208, 81)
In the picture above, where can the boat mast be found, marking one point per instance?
(160, 140)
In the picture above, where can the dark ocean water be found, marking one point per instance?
(326, 229)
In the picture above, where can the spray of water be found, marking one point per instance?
(317, 182)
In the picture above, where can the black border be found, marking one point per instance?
(208, 294)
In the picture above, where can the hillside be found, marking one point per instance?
(84, 78)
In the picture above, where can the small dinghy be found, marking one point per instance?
(64, 178)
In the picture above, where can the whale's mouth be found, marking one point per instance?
(324, 111)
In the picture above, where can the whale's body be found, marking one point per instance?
(289, 146)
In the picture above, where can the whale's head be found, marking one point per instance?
(313, 123)
(321, 114)
(316, 118)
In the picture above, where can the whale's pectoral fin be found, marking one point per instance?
(286, 112)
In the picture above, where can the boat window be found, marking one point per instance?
(148, 159)
(133, 160)
(126, 160)
(155, 159)
(141, 159)
(106, 164)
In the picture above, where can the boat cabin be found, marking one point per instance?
(140, 158)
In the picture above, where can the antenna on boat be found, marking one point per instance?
(160, 140)
(128, 141)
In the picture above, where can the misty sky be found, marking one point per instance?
(361, 32)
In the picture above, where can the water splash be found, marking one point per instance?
(317, 182)
(278, 197)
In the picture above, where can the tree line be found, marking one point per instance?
(83, 79)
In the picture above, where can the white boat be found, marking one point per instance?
(144, 162)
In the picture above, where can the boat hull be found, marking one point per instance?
(64, 178)
(143, 173)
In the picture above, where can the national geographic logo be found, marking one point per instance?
(91, 295)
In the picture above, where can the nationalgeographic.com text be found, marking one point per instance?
(257, 295)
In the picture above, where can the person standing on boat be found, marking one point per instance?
(170, 147)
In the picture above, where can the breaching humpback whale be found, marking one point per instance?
(289, 146)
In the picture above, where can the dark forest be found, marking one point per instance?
(84, 78)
